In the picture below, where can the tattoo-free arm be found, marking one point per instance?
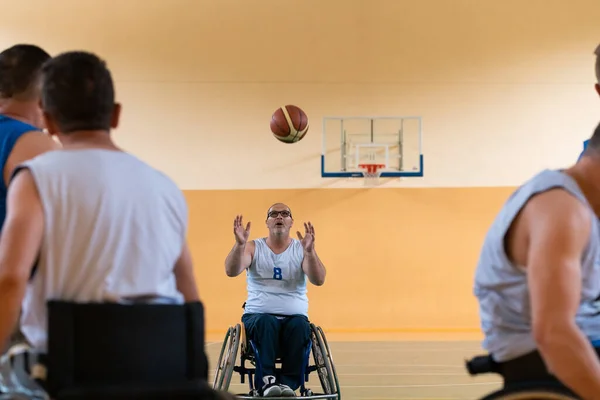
(20, 243)
(313, 267)
(558, 228)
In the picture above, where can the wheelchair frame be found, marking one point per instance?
(485, 364)
(236, 338)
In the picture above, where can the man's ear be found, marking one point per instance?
(116, 116)
(51, 127)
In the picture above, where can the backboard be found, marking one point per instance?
(351, 141)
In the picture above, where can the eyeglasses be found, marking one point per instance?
(284, 214)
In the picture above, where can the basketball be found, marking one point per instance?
(289, 124)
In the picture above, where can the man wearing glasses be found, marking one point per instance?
(276, 310)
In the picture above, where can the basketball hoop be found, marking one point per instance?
(371, 173)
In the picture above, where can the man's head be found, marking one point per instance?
(279, 219)
(597, 53)
(78, 94)
(20, 67)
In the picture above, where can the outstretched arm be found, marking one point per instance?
(19, 246)
(239, 259)
(558, 229)
(312, 265)
(240, 256)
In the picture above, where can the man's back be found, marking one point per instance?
(114, 229)
(502, 287)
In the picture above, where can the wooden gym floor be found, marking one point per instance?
(403, 370)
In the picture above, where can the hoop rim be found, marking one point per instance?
(371, 169)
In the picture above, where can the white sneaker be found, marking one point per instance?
(270, 388)
(287, 391)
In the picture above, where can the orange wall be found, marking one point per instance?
(199, 79)
(397, 259)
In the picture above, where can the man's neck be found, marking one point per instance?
(27, 112)
(587, 175)
(88, 140)
(278, 241)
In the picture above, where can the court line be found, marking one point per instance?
(425, 385)
(409, 398)
(422, 385)
(396, 350)
(408, 374)
(398, 374)
(401, 365)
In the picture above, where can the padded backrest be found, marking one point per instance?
(105, 344)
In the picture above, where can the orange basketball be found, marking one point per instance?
(289, 124)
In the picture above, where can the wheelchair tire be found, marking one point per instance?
(324, 362)
(226, 363)
(532, 393)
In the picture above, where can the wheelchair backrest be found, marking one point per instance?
(108, 343)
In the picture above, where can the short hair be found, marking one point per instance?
(20, 67)
(597, 53)
(78, 92)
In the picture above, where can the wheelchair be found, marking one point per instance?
(551, 390)
(108, 350)
(236, 341)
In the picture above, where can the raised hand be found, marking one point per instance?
(308, 241)
(241, 233)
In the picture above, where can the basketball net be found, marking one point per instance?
(371, 173)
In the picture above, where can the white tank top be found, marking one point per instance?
(502, 289)
(276, 282)
(114, 228)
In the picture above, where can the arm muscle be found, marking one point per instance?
(19, 246)
(558, 228)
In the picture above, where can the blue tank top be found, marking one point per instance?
(10, 131)
(501, 286)
(276, 282)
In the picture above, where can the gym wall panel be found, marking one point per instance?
(199, 80)
(397, 260)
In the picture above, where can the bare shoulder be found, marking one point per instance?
(27, 147)
(557, 204)
(560, 211)
(250, 246)
(22, 192)
(36, 141)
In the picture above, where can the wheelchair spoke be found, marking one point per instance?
(227, 358)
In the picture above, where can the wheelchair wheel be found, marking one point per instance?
(226, 362)
(324, 362)
(532, 393)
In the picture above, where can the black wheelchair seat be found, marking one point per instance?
(482, 364)
(133, 351)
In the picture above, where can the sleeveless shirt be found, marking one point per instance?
(10, 131)
(114, 229)
(501, 286)
(276, 282)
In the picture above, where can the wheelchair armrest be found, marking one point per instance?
(482, 365)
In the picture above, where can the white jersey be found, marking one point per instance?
(114, 229)
(502, 288)
(276, 282)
